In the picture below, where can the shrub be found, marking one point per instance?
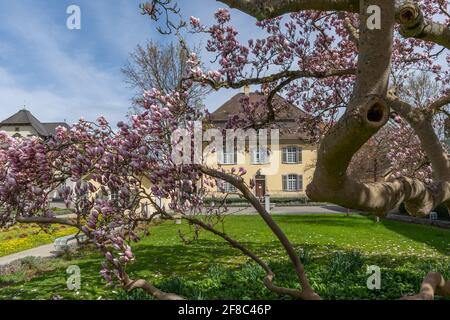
(24, 269)
(305, 256)
(441, 210)
(346, 262)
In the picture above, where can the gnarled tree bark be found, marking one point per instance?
(408, 15)
(415, 25)
(433, 284)
(263, 9)
(368, 111)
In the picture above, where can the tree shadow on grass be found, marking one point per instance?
(48, 285)
(400, 276)
(194, 257)
(186, 270)
(351, 221)
(159, 263)
(434, 237)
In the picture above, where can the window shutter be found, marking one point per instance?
(299, 155)
(285, 183)
(284, 155)
(299, 183)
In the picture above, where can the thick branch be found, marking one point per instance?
(263, 9)
(248, 195)
(352, 31)
(421, 121)
(43, 220)
(366, 114)
(268, 279)
(152, 290)
(409, 15)
(437, 105)
(433, 284)
(288, 74)
(415, 25)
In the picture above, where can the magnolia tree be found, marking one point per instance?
(344, 62)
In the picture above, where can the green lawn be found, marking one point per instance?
(22, 237)
(336, 250)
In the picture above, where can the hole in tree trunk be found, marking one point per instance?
(376, 113)
(407, 15)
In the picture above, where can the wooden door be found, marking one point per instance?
(260, 188)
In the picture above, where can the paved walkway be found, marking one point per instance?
(42, 251)
(323, 209)
(45, 251)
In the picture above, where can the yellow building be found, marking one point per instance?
(145, 206)
(281, 171)
(24, 124)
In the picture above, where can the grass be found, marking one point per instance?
(336, 250)
(22, 237)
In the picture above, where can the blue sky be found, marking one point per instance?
(67, 74)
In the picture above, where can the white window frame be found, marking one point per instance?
(294, 182)
(226, 187)
(260, 156)
(114, 195)
(292, 155)
(227, 157)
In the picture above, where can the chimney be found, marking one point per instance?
(247, 90)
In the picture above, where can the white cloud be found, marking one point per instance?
(67, 83)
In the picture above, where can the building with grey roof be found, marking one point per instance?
(25, 124)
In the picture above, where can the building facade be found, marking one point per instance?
(281, 171)
(25, 124)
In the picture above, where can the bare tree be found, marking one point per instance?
(162, 67)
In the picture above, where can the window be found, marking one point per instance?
(114, 195)
(144, 210)
(228, 156)
(292, 155)
(17, 129)
(292, 182)
(225, 187)
(260, 156)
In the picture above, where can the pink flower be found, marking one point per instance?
(195, 22)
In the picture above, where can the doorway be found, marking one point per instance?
(260, 187)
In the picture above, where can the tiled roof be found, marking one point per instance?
(25, 117)
(233, 106)
(286, 118)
